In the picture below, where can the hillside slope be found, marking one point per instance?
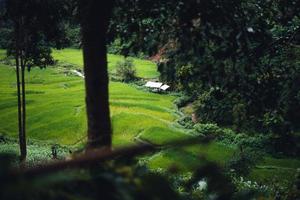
(56, 114)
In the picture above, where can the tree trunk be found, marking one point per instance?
(23, 137)
(20, 115)
(94, 23)
(22, 144)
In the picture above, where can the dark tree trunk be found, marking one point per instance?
(20, 113)
(23, 146)
(94, 23)
(22, 140)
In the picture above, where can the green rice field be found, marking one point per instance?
(56, 115)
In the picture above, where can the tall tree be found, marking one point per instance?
(94, 16)
(35, 26)
(22, 139)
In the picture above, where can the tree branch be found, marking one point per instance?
(96, 156)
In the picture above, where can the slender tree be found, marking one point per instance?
(94, 16)
(13, 13)
(35, 26)
(22, 139)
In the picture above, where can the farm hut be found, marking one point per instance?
(157, 86)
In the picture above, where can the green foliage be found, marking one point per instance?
(252, 188)
(217, 184)
(273, 121)
(262, 143)
(38, 151)
(214, 106)
(182, 101)
(186, 122)
(115, 47)
(239, 116)
(8, 60)
(243, 161)
(208, 129)
(258, 143)
(117, 179)
(126, 70)
(113, 181)
(135, 113)
(4, 39)
(35, 26)
(239, 58)
(133, 24)
(72, 35)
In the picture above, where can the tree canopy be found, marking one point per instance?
(237, 60)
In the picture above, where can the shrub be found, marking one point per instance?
(126, 70)
(5, 35)
(186, 122)
(274, 122)
(227, 137)
(213, 106)
(280, 135)
(73, 37)
(243, 161)
(182, 101)
(115, 47)
(9, 60)
(208, 129)
(239, 116)
(259, 142)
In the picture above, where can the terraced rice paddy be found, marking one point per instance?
(56, 109)
(144, 68)
(56, 114)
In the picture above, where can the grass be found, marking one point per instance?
(273, 176)
(2, 53)
(191, 157)
(56, 109)
(144, 68)
(56, 114)
(161, 135)
(37, 153)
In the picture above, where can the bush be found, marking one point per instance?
(8, 60)
(126, 70)
(213, 106)
(182, 101)
(115, 47)
(208, 129)
(186, 122)
(280, 134)
(5, 35)
(259, 142)
(73, 37)
(274, 122)
(227, 137)
(239, 116)
(243, 161)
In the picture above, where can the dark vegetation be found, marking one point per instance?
(238, 61)
(236, 64)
